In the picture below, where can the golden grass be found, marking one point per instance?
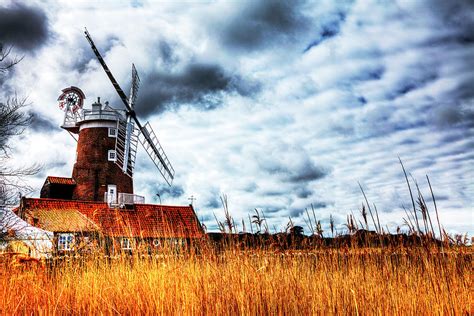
(343, 281)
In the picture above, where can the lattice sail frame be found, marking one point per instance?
(120, 150)
(161, 161)
(134, 87)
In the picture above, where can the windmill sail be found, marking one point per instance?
(130, 127)
(126, 146)
(148, 140)
(156, 152)
(134, 87)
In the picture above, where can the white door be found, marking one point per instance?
(111, 194)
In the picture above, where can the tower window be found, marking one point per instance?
(112, 132)
(111, 155)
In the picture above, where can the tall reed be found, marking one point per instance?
(344, 280)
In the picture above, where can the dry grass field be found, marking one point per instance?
(346, 281)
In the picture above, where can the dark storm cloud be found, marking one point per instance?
(41, 124)
(211, 200)
(212, 203)
(173, 191)
(296, 212)
(454, 115)
(458, 17)
(309, 172)
(421, 76)
(453, 135)
(458, 14)
(328, 29)
(84, 54)
(374, 73)
(199, 84)
(165, 51)
(304, 173)
(303, 192)
(270, 210)
(250, 187)
(464, 90)
(320, 205)
(24, 27)
(262, 23)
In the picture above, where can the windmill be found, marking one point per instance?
(130, 128)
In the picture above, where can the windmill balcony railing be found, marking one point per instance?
(123, 199)
(90, 115)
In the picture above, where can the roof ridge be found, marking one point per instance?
(163, 205)
(102, 203)
(62, 200)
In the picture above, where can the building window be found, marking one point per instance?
(126, 243)
(112, 132)
(65, 241)
(112, 156)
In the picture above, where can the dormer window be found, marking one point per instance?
(112, 132)
(111, 155)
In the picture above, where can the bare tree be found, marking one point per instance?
(13, 121)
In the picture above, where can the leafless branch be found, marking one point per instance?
(7, 61)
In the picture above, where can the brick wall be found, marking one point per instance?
(57, 191)
(92, 170)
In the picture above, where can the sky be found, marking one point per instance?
(277, 105)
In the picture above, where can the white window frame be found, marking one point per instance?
(111, 155)
(126, 243)
(112, 132)
(65, 241)
(111, 196)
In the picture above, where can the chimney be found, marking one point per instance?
(96, 106)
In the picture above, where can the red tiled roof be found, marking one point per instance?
(60, 180)
(145, 220)
(64, 221)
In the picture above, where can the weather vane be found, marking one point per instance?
(192, 199)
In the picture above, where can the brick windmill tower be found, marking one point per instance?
(100, 170)
(106, 146)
